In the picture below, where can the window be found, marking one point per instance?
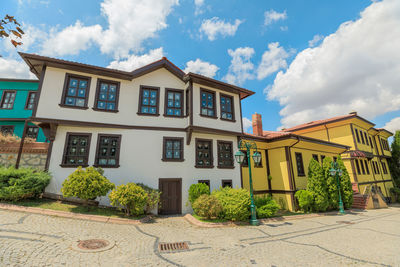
(322, 158)
(76, 91)
(227, 183)
(187, 102)
(299, 163)
(315, 156)
(373, 166)
(107, 152)
(204, 157)
(7, 130)
(362, 166)
(8, 99)
(227, 110)
(225, 154)
(148, 100)
(385, 144)
(172, 149)
(173, 103)
(362, 137)
(384, 168)
(207, 182)
(366, 166)
(245, 162)
(358, 137)
(207, 103)
(370, 142)
(76, 150)
(107, 95)
(30, 100)
(377, 168)
(334, 159)
(366, 138)
(32, 132)
(358, 166)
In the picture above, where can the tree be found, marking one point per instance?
(9, 28)
(331, 184)
(346, 187)
(316, 184)
(394, 161)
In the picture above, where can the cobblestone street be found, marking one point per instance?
(364, 238)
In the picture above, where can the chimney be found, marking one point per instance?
(257, 124)
(353, 113)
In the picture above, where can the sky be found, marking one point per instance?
(305, 59)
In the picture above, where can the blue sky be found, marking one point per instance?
(264, 46)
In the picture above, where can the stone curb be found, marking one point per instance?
(194, 221)
(66, 214)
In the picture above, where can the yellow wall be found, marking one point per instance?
(259, 174)
(341, 135)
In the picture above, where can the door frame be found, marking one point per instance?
(160, 180)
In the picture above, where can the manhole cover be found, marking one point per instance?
(93, 244)
(345, 222)
(171, 247)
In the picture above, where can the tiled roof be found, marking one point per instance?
(319, 122)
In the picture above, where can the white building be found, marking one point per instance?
(155, 125)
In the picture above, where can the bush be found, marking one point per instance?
(305, 199)
(346, 188)
(86, 184)
(130, 197)
(235, 203)
(316, 184)
(16, 184)
(197, 190)
(331, 184)
(265, 206)
(395, 191)
(153, 198)
(207, 206)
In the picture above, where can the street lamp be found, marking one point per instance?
(337, 172)
(239, 156)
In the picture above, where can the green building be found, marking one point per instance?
(16, 105)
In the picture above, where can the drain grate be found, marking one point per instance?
(345, 222)
(171, 247)
(93, 244)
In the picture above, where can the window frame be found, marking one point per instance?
(362, 137)
(68, 76)
(366, 166)
(218, 155)
(28, 98)
(366, 138)
(302, 173)
(144, 87)
(35, 127)
(384, 168)
(96, 99)
(3, 97)
(182, 92)
(214, 103)
(7, 126)
(117, 157)
(232, 107)
(164, 150)
(370, 142)
(358, 137)
(210, 152)
(67, 136)
(226, 181)
(362, 166)
(358, 166)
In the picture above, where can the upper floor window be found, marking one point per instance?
(8, 99)
(173, 102)
(225, 154)
(362, 166)
(207, 103)
(370, 142)
(315, 156)
(76, 91)
(385, 171)
(385, 144)
(300, 165)
(108, 147)
(366, 166)
(32, 132)
(30, 100)
(226, 105)
(358, 137)
(7, 130)
(76, 150)
(149, 100)
(204, 157)
(172, 149)
(358, 166)
(107, 94)
(362, 137)
(366, 138)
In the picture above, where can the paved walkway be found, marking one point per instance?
(370, 238)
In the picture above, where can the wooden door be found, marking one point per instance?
(171, 195)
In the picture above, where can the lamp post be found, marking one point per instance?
(337, 172)
(239, 156)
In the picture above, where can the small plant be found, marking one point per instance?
(153, 197)
(305, 199)
(196, 190)
(130, 197)
(86, 184)
(207, 206)
(265, 206)
(235, 203)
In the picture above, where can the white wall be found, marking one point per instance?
(140, 160)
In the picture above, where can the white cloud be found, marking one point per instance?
(241, 68)
(247, 125)
(316, 39)
(284, 28)
(215, 26)
(201, 67)
(198, 7)
(393, 125)
(272, 16)
(11, 68)
(136, 61)
(272, 60)
(355, 68)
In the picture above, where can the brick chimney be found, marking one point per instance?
(257, 124)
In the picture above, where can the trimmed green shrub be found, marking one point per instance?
(316, 184)
(86, 184)
(196, 190)
(16, 184)
(394, 161)
(346, 188)
(130, 198)
(235, 203)
(331, 184)
(153, 197)
(265, 206)
(305, 199)
(207, 206)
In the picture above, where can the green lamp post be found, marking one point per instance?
(239, 156)
(337, 172)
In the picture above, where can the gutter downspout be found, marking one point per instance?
(290, 166)
(327, 132)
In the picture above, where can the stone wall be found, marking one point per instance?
(33, 155)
